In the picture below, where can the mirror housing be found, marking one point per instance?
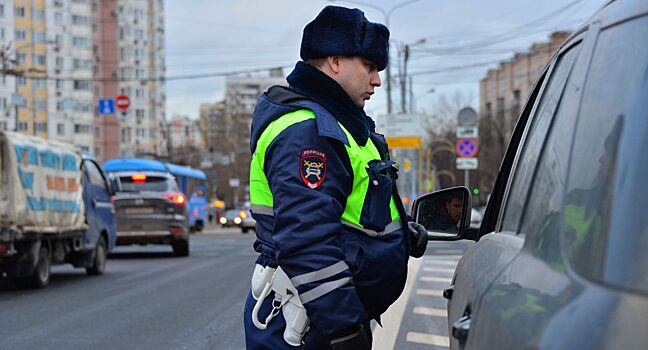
(445, 214)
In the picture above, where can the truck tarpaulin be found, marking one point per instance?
(40, 186)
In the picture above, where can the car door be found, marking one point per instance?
(481, 264)
(523, 296)
(500, 242)
(99, 209)
(577, 283)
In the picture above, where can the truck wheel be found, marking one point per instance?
(41, 276)
(180, 248)
(99, 263)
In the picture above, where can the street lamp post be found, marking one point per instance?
(386, 14)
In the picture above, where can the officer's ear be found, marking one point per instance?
(334, 63)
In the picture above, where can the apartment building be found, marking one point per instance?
(241, 95)
(212, 125)
(68, 40)
(7, 82)
(504, 90)
(129, 60)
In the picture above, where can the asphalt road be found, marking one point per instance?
(150, 299)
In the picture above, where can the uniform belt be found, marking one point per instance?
(391, 227)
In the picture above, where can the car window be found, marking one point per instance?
(94, 174)
(149, 183)
(615, 85)
(543, 213)
(525, 166)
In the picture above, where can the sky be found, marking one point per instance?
(454, 42)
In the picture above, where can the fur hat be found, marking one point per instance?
(343, 31)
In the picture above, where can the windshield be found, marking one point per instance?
(230, 214)
(149, 184)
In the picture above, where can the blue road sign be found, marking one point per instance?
(466, 147)
(106, 106)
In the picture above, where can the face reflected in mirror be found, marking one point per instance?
(441, 212)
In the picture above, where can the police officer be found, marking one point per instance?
(332, 234)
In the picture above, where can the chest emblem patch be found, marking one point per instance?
(312, 167)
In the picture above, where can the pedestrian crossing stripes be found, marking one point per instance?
(445, 257)
(442, 262)
(436, 279)
(428, 339)
(430, 311)
(438, 269)
(430, 292)
(448, 251)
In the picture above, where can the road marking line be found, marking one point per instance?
(430, 311)
(436, 279)
(438, 269)
(430, 292)
(384, 338)
(448, 251)
(441, 262)
(428, 339)
(446, 257)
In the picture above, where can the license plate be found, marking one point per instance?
(139, 210)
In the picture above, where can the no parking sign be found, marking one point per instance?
(467, 147)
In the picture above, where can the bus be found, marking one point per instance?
(192, 183)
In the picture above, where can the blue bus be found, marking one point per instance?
(192, 183)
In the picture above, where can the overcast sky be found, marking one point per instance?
(218, 36)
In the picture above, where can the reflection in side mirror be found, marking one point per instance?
(445, 214)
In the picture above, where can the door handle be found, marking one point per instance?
(460, 328)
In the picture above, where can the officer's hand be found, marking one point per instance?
(418, 239)
(351, 339)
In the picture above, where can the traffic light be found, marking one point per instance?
(475, 191)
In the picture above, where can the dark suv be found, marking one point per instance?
(561, 260)
(150, 209)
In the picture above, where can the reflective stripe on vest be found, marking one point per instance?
(261, 196)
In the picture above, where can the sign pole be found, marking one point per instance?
(466, 178)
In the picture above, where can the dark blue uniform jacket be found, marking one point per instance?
(306, 234)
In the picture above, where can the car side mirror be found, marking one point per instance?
(445, 214)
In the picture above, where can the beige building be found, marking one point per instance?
(504, 91)
(233, 120)
(213, 126)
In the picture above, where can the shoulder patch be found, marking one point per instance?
(312, 167)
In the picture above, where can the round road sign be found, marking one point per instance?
(467, 117)
(122, 102)
(466, 147)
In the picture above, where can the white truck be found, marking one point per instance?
(55, 208)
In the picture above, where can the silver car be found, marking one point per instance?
(560, 258)
(150, 209)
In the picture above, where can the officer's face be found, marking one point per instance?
(358, 77)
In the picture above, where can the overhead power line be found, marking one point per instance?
(162, 79)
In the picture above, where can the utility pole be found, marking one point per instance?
(5, 70)
(403, 80)
(386, 14)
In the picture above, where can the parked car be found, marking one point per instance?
(54, 209)
(150, 209)
(560, 259)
